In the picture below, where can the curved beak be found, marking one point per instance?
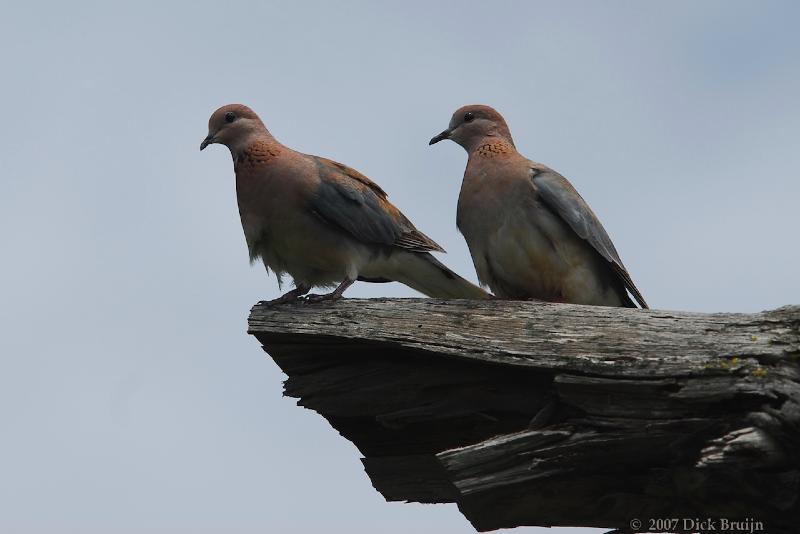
(207, 141)
(441, 137)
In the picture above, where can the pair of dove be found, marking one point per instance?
(530, 234)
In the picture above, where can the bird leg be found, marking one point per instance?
(336, 294)
(290, 296)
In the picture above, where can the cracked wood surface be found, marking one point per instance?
(529, 413)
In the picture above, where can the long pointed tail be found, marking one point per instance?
(426, 274)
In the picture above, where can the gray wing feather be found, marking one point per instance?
(356, 212)
(349, 200)
(559, 195)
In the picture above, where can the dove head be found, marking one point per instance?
(234, 126)
(471, 125)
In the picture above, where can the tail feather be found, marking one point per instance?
(426, 274)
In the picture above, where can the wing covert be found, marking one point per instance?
(351, 201)
(562, 198)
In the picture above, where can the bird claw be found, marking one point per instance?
(283, 299)
(326, 297)
(333, 296)
(291, 296)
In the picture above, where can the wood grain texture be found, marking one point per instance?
(555, 415)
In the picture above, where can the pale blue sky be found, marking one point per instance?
(131, 398)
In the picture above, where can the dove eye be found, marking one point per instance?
(230, 116)
(468, 116)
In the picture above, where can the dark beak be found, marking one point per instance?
(207, 141)
(441, 137)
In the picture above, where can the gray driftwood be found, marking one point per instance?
(556, 415)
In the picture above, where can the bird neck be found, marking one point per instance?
(249, 134)
(491, 146)
(259, 150)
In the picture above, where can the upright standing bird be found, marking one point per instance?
(530, 234)
(322, 222)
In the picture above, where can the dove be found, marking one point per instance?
(322, 222)
(529, 232)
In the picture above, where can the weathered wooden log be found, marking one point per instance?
(556, 415)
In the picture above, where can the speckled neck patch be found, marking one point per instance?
(490, 150)
(258, 153)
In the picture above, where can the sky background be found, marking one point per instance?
(131, 398)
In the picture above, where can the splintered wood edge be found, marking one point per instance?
(583, 339)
